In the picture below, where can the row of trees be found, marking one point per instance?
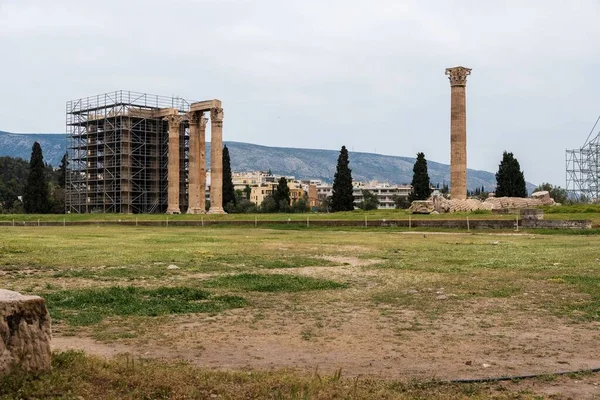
(42, 189)
(510, 182)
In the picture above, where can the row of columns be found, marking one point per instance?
(197, 162)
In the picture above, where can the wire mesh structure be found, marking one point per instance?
(118, 153)
(583, 169)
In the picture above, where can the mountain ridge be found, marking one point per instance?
(301, 163)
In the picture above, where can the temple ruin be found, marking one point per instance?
(139, 153)
(458, 132)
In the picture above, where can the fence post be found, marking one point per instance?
(366, 224)
(468, 227)
(202, 220)
(517, 222)
(13, 222)
(255, 221)
(38, 222)
(64, 222)
(307, 222)
(409, 222)
(167, 221)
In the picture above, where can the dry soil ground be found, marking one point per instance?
(407, 306)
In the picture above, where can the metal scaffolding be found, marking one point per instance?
(583, 169)
(118, 153)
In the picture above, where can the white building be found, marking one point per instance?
(384, 191)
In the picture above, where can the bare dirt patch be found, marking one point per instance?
(387, 343)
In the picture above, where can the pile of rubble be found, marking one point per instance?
(440, 204)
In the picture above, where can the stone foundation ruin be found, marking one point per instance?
(25, 331)
(442, 205)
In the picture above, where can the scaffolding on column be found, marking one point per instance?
(118, 152)
(583, 169)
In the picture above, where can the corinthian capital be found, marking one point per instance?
(174, 120)
(216, 114)
(458, 75)
(193, 117)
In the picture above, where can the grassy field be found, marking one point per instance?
(278, 313)
(575, 212)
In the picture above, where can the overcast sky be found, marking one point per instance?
(322, 74)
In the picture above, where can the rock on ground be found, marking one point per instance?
(443, 205)
(25, 331)
(421, 207)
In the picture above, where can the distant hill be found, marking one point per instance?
(19, 145)
(301, 163)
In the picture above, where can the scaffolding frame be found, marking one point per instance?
(118, 149)
(583, 169)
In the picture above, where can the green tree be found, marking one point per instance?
(62, 171)
(369, 202)
(229, 199)
(269, 205)
(36, 195)
(445, 189)
(300, 206)
(325, 205)
(510, 181)
(420, 182)
(247, 192)
(556, 192)
(400, 202)
(342, 198)
(13, 176)
(245, 206)
(281, 195)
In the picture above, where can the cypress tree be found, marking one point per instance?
(510, 181)
(420, 182)
(281, 195)
(62, 171)
(228, 189)
(342, 198)
(36, 194)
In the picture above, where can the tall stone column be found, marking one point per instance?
(173, 166)
(202, 162)
(194, 168)
(216, 161)
(458, 131)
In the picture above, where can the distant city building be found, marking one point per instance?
(259, 193)
(384, 191)
(243, 179)
(315, 190)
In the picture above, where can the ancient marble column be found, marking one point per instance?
(202, 162)
(173, 166)
(194, 168)
(216, 161)
(458, 132)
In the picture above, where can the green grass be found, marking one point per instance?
(573, 209)
(91, 306)
(558, 212)
(77, 376)
(273, 283)
(591, 286)
(111, 283)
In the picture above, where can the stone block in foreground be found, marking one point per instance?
(25, 333)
